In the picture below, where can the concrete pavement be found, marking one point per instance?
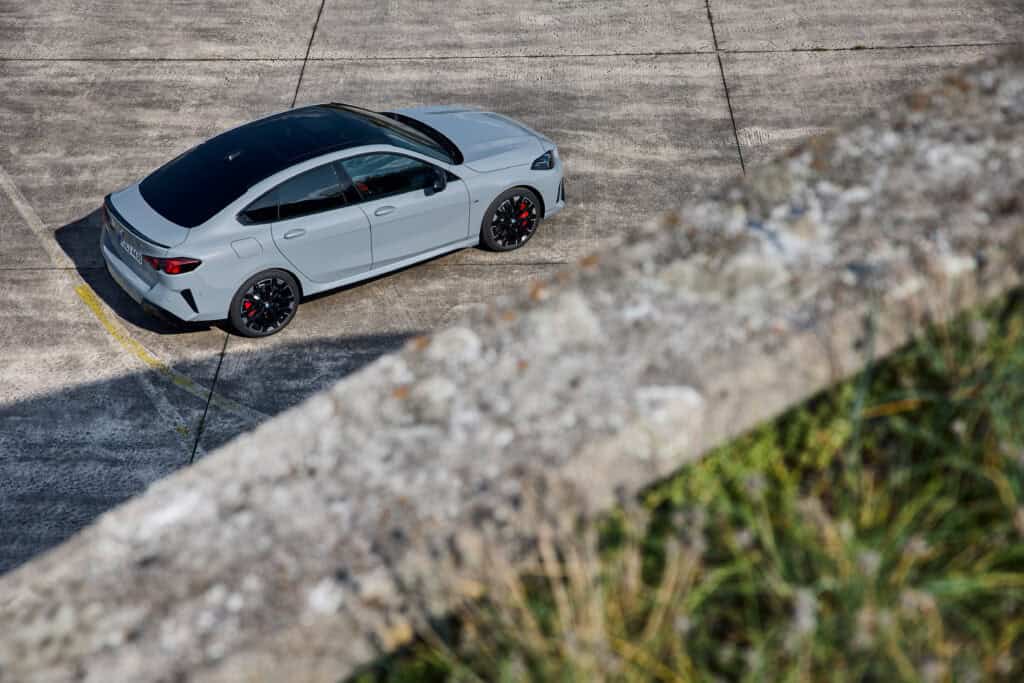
(832, 87)
(648, 107)
(779, 25)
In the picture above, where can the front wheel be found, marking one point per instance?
(511, 220)
(264, 304)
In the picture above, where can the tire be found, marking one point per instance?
(511, 220)
(264, 304)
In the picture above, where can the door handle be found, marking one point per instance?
(292, 234)
(383, 211)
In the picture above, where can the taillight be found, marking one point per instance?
(172, 266)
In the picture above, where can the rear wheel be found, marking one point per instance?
(511, 220)
(264, 304)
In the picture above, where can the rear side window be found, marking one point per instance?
(313, 191)
(383, 175)
(263, 210)
(316, 190)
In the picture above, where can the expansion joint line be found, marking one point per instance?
(309, 46)
(725, 86)
(227, 336)
(209, 399)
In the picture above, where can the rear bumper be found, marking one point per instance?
(157, 300)
(131, 283)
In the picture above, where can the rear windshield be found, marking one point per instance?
(192, 188)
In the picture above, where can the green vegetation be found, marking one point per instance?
(875, 533)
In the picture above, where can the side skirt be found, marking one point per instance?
(391, 267)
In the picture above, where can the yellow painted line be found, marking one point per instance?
(62, 260)
(139, 351)
(168, 413)
(35, 224)
(127, 342)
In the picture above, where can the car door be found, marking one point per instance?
(318, 230)
(407, 216)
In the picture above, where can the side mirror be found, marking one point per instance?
(440, 182)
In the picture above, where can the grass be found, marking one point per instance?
(875, 533)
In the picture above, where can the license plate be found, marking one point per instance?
(129, 248)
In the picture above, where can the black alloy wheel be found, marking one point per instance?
(265, 304)
(511, 221)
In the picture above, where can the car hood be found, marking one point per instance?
(488, 141)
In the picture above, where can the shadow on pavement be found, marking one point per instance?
(69, 456)
(80, 240)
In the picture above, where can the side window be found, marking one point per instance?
(383, 175)
(316, 190)
(263, 210)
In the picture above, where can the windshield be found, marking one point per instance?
(435, 134)
(399, 133)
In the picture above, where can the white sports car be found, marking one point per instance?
(244, 225)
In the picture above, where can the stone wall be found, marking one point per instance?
(302, 550)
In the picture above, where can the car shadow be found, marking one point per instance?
(80, 240)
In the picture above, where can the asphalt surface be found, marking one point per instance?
(650, 108)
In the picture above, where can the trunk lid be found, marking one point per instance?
(135, 230)
(144, 221)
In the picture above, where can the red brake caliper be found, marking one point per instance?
(247, 306)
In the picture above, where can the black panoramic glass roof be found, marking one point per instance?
(192, 188)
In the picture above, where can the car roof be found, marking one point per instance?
(193, 187)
